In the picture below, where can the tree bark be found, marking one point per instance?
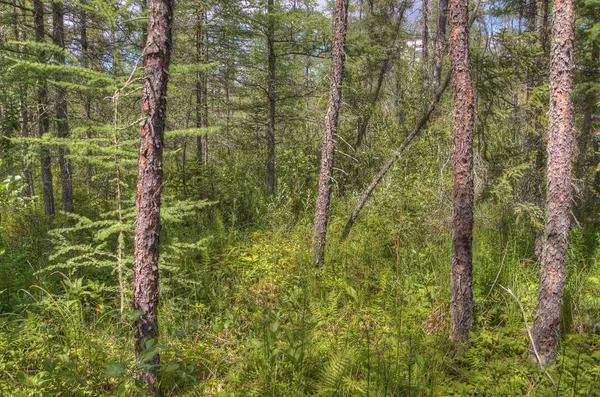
(201, 88)
(440, 39)
(42, 113)
(462, 215)
(271, 92)
(28, 189)
(331, 124)
(87, 101)
(150, 182)
(62, 125)
(425, 55)
(546, 326)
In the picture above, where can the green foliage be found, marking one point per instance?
(242, 311)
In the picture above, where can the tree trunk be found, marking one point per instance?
(365, 119)
(43, 118)
(331, 124)
(62, 125)
(271, 92)
(546, 326)
(150, 182)
(201, 88)
(425, 56)
(440, 38)
(419, 126)
(28, 189)
(462, 216)
(87, 102)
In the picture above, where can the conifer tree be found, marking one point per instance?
(42, 113)
(546, 326)
(461, 305)
(156, 54)
(62, 124)
(331, 125)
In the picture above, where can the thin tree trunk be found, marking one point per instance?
(331, 124)
(546, 326)
(87, 101)
(271, 92)
(425, 56)
(440, 39)
(42, 112)
(62, 125)
(587, 131)
(364, 120)
(461, 309)
(541, 21)
(28, 190)
(150, 182)
(201, 88)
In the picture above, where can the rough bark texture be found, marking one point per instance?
(331, 125)
(43, 118)
(149, 181)
(440, 38)
(62, 125)
(271, 92)
(425, 53)
(546, 325)
(201, 88)
(462, 215)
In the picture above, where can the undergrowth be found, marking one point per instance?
(250, 317)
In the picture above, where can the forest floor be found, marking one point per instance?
(249, 316)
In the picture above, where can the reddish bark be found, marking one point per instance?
(331, 125)
(462, 217)
(546, 326)
(149, 182)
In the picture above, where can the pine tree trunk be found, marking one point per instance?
(150, 182)
(462, 217)
(42, 112)
(331, 125)
(440, 38)
(201, 88)
(87, 104)
(62, 125)
(271, 92)
(546, 326)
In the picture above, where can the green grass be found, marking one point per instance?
(251, 317)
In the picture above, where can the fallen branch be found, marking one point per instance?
(418, 127)
(537, 355)
(421, 123)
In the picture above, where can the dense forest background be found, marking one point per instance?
(243, 310)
